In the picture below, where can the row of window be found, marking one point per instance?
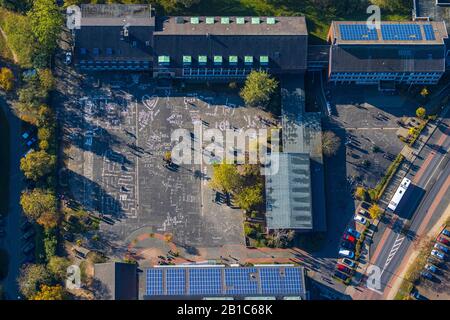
(217, 60)
(227, 20)
(222, 72)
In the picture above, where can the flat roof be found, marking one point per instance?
(389, 33)
(116, 15)
(183, 26)
(203, 281)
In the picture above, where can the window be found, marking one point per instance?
(271, 20)
(187, 60)
(233, 60)
(163, 60)
(224, 20)
(202, 60)
(217, 60)
(240, 20)
(109, 51)
(96, 51)
(209, 20)
(83, 51)
(248, 60)
(195, 20)
(256, 20)
(264, 60)
(147, 43)
(134, 44)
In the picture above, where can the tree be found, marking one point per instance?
(258, 89)
(167, 157)
(50, 293)
(46, 22)
(360, 193)
(250, 197)
(46, 79)
(330, 143)
(58, 267)
(37, 202)
(37, 164)
(6, 79)
(225, 178)
(424, 92)
(31, 277)
(374, 211)
(48, 220)
(421, 112)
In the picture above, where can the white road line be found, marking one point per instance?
(435, 169)
(137, 160)
(397, 243)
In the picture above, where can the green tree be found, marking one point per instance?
(46, 22)
(250, 197)
(6, 79)
(46, 79)
(258, 89)
(330, 143)
(225, 178)
(37, 202)
(37, 164)
(31, 277)
(421, 112)
(58, 267)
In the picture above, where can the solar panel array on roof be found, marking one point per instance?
(429, 32)
(357, 32)
(220, 281)
(401, 32)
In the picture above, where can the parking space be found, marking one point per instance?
(117, 167)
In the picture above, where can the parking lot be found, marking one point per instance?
(116, 165)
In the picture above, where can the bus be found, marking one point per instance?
(399, 194)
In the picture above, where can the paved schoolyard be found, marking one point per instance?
(117, 166)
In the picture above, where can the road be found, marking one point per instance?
(13, 233)
(421, 208)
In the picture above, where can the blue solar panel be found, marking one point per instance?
(429, 32)
(176, 281)
(401, 32)
(154, 282)
(205, 281)
(241, 281)
(357, 32)
(278, 282)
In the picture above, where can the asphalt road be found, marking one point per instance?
(423, 205)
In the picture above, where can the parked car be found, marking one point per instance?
(354, 233)
(427, 275)
(348, 262)
(27, 248)
(349, 237)
(441, 247)
(434, 261)
(346, 253)
(68, 58)
(347, 245)
(431, 268)
(24, 225)
(28, 133)
(446, 232)
(443, 240)
(438, 254)
(26, 153)
(28, 234)
(343, 268)
(340, 275)
(360, 219)
(363, 212)
(31, 141)
(416, 295)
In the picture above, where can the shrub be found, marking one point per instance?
(360, 193)
(6, 79)
(421, 112)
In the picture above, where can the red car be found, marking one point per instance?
(443, 240)
(349, 237)
(343, 268)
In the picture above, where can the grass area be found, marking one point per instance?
(4, 164)
(5, 52)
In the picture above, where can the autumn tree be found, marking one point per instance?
(37, 164)
(37, 202)
(330, 143)
(47, 292)
(360, 193)
(421, 112)
(258, 89)
(374, 211)
(6, 79)
(225, 178)
(250, 197)
(46, 79)
(31, 277)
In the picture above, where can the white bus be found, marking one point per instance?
(399, 194)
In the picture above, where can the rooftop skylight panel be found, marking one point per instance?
(225, 20)
(232, 60)
(163, 59)
(195, 20)
(264, 60)
(256, 20)
(248, 60)
(187, 59)
(209, 20)
(240, 20)
(271, 20)
(217, 59)
(202, 59)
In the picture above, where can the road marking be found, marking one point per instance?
(435, 169)
(397, 243)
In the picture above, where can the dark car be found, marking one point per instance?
(443, 240)
(427, 275)
(343, 268)
(340, 276)
(354, 233)
(347, 245)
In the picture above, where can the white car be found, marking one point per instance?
(441, 247)
(68, 59)
(360, 219)
(346, 253)
(437, 254)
